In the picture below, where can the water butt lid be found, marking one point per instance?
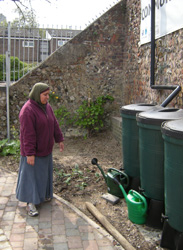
(133, 109)
(173, 128)
(156, 117)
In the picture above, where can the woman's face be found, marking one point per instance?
(44, 97)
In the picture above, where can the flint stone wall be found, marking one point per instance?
(105, 58)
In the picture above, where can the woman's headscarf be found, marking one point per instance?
(37, 89)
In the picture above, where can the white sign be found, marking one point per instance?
(168, 18)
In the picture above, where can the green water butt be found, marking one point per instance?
(130, 137)
(173, 165)
(151, 150)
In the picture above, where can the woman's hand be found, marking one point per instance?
(61, 146)
(31, 160)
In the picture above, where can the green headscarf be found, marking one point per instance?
(37, 89)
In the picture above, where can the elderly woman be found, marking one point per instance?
(38, 131)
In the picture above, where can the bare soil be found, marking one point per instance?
(77, 181)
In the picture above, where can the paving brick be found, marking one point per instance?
(90, 245)
(57, 215)
(74, 242)
(31, 235)
(18, 244)
(9, 209)
(10, 179)
(43, 225)
(29, 228)
(32, 221)
(3, 200)
(85, 228)
(60, 246)
(70, 224)
(60, 222)
(7, 191)
(58, 229)
(1, 213)
(106, 248)
(57, 226)
(81, 222)
(19, 218)
(2, 206)
(12, 203)
(4, 245)
(46, 219)
(8, 216)
(87, 236)
(46, 241)
(72, 232)
(45, 231)
(2, 237)
(3, 180)
(30, 244)
(17, 237)
(6, 223)
(59, 239)
(103, 242)
(7, 233)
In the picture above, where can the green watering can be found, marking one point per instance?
(112, 174)
(137, 205)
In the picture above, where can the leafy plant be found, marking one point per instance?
(11, 147)
(81, 185)
(18, 68)
(75, 174)
(53, 97)
(68, 180)
(91, 115)
(63, 116)
(98, 177)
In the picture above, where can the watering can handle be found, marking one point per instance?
(123, 173)
(139, 196)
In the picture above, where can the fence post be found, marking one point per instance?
(8, 83)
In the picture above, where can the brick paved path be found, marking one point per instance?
(59, 226)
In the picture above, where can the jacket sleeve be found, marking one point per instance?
(28, 133)
(58, 135)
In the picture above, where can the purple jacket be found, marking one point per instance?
(38, 129)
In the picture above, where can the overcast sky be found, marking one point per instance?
(65, 13)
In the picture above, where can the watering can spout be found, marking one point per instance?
(95, 162)
(112, 175)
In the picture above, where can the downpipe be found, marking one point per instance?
(176, 88)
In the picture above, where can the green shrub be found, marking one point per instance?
(91, 115)
(11, 147)
(18, 68)
(63, 116)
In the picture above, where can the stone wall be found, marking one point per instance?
(136, 62)
(105, 58)
(86, 67)
(116, 128)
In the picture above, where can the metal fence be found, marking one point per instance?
(28, 47)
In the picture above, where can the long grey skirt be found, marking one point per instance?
(35, 183)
